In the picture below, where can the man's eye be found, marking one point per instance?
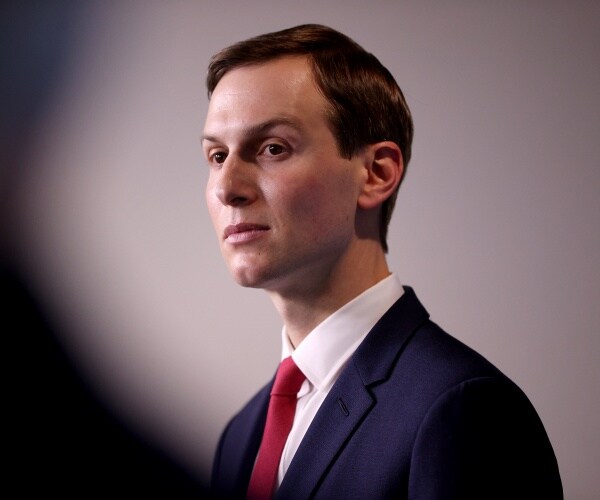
(218, 157)
(274, 149)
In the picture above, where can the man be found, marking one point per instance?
(307, 139)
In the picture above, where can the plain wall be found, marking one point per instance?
(496, 225)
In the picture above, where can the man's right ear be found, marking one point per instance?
(384, 164)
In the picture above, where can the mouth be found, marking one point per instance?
(244, 231)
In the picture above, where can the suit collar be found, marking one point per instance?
(328, 347)
(376, 356)
(350, 399)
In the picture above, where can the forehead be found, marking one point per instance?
(248, 95)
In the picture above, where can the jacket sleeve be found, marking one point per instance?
(483, 439)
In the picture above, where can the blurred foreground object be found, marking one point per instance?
(62, 438)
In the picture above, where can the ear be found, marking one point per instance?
(384, 165)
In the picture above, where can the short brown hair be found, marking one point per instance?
(367, 105)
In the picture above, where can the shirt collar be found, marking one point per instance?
(326, 349)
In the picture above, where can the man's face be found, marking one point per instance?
(282, 199)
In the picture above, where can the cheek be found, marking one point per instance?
(318, 204)
(302, 197)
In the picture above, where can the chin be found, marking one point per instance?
(247, 278)
(248, 283)
(249, 271)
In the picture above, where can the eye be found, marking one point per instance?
(218, 157)
(274, 149)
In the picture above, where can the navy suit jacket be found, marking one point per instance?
(415, 414)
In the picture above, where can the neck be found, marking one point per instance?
(307, 304)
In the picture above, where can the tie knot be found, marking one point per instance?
(289, 378)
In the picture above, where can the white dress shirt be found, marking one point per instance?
(325, 351)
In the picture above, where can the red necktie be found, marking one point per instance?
(280, 416)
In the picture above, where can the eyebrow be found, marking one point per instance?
(260, 128)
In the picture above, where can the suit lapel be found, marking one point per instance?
(340, 414)
(235, 457)
(254, 437)
(350, 399)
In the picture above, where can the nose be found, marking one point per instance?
(233, 183)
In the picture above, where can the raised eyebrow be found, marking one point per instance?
(260, 129)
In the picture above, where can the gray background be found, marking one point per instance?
(496, 225)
